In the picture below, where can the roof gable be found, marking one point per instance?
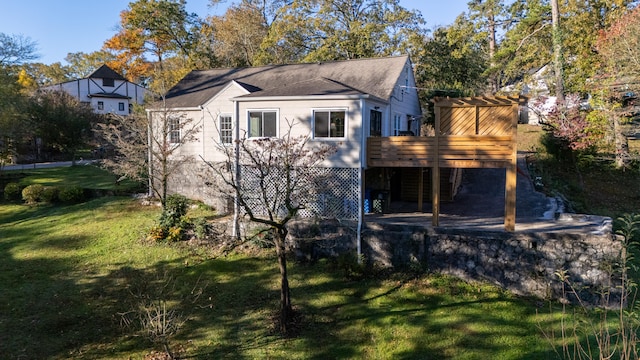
(105, 72)
(376, 77)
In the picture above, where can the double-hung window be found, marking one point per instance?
(174, 130)
(397, 124)
(263, 123)
(226, 129)
(329, 123)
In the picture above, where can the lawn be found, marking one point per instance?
(85, 176)
(74, 280)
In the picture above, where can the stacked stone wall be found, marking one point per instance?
(524, 263)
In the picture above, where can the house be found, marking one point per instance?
(105, 90)
(341, 103)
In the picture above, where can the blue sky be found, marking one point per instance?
(64, 26)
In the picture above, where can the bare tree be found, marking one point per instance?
(148, 147)
(272, 179)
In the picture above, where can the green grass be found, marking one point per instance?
(72, 279)
(71, 276)
(84, 176)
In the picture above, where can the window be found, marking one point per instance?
(100, 105)
(263, 124)
(108, 82)
(397, 125)
(375, 123)
(130, 108)
(174, 131)
(120, 106)
(329, 123)
(226, 129)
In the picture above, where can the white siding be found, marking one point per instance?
(300, 112)
(83, 88)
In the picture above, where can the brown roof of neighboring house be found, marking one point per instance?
(375, 77)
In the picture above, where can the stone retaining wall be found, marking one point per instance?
(524, 263)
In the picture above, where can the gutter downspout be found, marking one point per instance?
(363, 142)
(236, 165)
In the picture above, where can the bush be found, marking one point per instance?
(71, 194)
(32, 194)
(50, 194)
(12, 191)
(202, 228)
(174, 210)
(156, 233)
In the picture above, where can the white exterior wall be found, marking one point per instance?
(404, 102)
(83, 88)
(301, 112)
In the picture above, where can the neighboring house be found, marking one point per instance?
(105, 90)
(536, 87)
(341, 103)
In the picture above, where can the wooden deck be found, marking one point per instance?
(454, 151)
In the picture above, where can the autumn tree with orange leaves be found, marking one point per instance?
(152, 32)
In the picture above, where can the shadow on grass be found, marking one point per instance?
(55, 304)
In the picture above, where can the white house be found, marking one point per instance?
(340, 103)
(105, 90)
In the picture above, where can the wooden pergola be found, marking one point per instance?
(475, 132)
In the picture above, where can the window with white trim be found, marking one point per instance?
(174, 130)
(397, 124)
(100, 105)
(263, 123)
(226, 129)
(329, 123)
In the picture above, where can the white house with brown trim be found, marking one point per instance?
(105, 90)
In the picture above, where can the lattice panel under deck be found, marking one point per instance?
(324, 192)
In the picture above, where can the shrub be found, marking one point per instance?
(156, 234)
(71, 194)
(174, 210)
(175, 233)
(32, 194)
(12, 191)
(202, 228)
(50, 194)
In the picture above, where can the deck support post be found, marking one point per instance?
(435, 172)
(420, 188)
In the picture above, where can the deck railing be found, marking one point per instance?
(455, 151)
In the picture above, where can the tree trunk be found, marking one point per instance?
(492, 53)
(285, 295)
(621, 144)
(557, 52)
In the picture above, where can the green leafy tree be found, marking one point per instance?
(339, 29)
(237, 34)
(83, 64)
(527, 45)
(15, 50)
(61, 122)
(488, 17)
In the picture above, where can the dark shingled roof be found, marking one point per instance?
(375, 77)
(105, 72)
